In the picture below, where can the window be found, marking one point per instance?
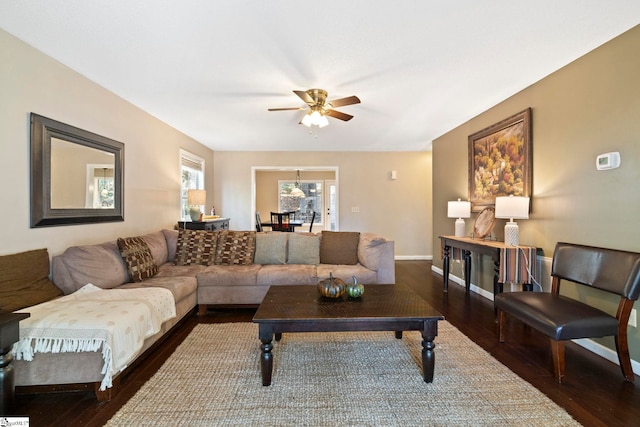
(302, 206)
(192, 173)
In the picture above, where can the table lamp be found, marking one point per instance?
(459, 209)
(195, 199)
(512, 207)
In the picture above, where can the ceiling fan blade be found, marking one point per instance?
(338, 115)
(286, 109)
(305, 97)
(345, 101)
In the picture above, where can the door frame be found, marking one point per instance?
(254, 169)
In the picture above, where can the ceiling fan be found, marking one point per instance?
(320, 108)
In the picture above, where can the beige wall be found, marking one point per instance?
(397, 209)
(589, 107)
(33, 82)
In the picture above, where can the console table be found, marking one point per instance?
(9, 334)
(512, 264)
(210, 225)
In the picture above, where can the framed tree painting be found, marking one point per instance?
(500, 161)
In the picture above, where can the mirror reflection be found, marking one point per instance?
(81, 177)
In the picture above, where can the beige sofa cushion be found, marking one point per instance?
(287, 275)
(158, 245)
(171, 238)
(271, 248)
(100, 265)
(180, 286)
(229, 275)
(346, 273)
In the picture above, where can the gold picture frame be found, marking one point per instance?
(500, 161)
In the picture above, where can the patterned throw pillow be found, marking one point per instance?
(196, 247)
(137, 256)
(339, 247)
(236, 247)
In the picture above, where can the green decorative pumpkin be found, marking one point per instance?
(331, 287)
(355, 289)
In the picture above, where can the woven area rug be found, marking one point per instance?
(335, 379)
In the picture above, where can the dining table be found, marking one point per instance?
(292, 224)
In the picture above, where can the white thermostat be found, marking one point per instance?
(608, 161)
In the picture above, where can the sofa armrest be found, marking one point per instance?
(387, 267)
(377, 253)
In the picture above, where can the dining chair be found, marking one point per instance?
(280, 221)
(313, 218)
(258, 222)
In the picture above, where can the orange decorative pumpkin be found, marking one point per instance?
(331, 287)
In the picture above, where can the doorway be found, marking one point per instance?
(268, 182)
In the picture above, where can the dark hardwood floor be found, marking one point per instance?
(594, 393)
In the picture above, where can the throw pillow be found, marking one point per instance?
(304, 249)
(271, 248)
(24, 280)
(236, 247)
(196, 247)
(339, 247)
(138, 258)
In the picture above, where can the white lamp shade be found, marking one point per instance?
(196, 197)
(459, 209)
(512, 207)
(306, 120)
(297, 192)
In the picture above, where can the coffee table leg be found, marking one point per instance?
(266, 361)
(429, 333)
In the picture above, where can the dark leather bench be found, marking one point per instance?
(562, 318)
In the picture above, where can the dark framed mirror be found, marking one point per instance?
(77, 177)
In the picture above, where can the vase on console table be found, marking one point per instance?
(194, 213)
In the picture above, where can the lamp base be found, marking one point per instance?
(194, 213)
(511, 234)
(460, 228)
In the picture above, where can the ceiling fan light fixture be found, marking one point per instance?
(315, 117)
(320, 108)
(323, 121)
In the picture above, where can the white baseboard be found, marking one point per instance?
(586, 343)
(413, 258)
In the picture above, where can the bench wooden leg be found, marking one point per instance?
(109, 393)
(622, 347)
(557, 353)
(502, 319)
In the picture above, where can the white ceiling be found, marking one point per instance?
(212, 68)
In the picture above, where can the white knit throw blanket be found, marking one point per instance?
(116, 320)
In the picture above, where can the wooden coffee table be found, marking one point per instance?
(300, 308)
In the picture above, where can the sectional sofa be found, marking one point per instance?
(198, 268)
